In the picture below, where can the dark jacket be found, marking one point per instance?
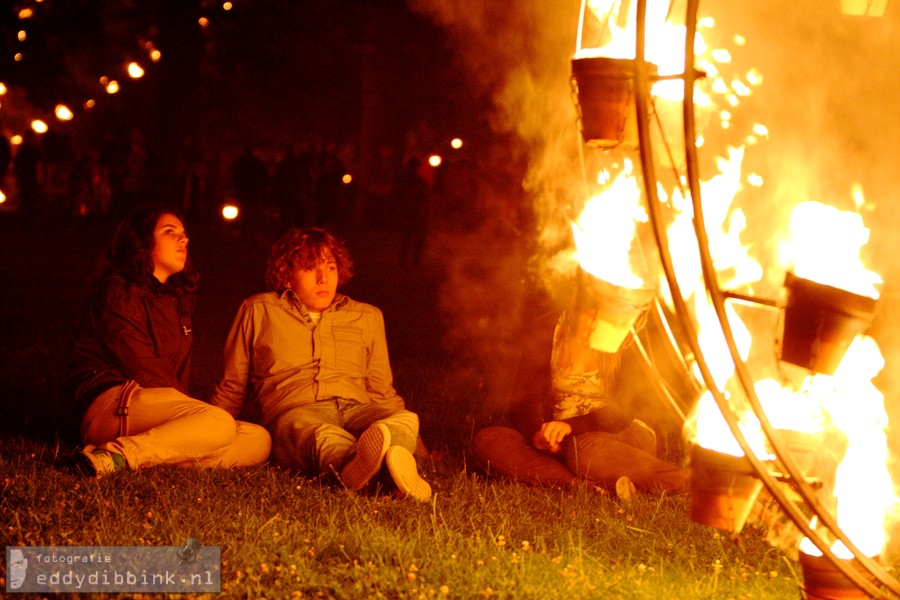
(130, 332)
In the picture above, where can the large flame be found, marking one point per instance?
(822, 244)
(605, 230)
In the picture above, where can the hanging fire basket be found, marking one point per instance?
(605, 96)
(723, 489)
(820, 322)
(823, 581)
(609, 311)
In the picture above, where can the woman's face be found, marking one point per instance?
(170, 247)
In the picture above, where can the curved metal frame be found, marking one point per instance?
(718, 297)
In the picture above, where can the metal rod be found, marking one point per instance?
(642, 103)
(750, 299)
(717, 298)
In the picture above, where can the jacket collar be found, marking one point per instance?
(292, 299)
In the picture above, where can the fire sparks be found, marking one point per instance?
(838, 412)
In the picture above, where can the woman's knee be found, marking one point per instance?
(255, 442)
(219, 424)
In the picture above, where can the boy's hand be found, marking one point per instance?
(551, 435)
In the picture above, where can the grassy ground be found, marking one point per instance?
(283, 535)
(286, 536)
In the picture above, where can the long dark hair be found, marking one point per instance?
(129, 255)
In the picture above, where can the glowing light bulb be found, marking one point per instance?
(135, 71)
(230, 212)
(63, 113)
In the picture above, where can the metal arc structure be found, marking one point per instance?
(881, 584)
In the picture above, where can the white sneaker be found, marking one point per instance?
(625, 489)
(402, 466)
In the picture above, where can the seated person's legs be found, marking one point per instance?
(311, 439)
(402, 424)
(504, 452)
(251, 447)
(604, 457)
(164, 426)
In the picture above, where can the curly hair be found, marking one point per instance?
(129, 255)
(303, 249)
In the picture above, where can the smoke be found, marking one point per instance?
(828, 100)
(515, 54)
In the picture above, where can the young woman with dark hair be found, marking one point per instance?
(131, 361)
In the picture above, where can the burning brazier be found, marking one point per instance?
(605, 91)
(605, 312)
(822, 580)
(723, 489)
(820, 322)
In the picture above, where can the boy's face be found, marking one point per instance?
(316, 286)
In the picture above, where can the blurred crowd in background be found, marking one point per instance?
(313, 181)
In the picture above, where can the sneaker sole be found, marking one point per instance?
(371, 448)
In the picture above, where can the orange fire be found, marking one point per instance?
(822, 244)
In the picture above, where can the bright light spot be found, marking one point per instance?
(112, 87)
(204, 22)
(456, 143)
(39, 126)
(17, 57)
(755, 179)
(347, 178)
(15, 140)
(725, 116)
(754, 77)
(135, 70)
(22, 35)
(2, 197)
(89, 103)
(3, 89)
(104, 80)
(434, 160)
(26, 13)
(740, 88)
(63, 113)
(230, 212)
(740, 40)
(706, 22)
(227, 6)
(155, 55)
(721, 55)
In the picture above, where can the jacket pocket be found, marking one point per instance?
(349, 346)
